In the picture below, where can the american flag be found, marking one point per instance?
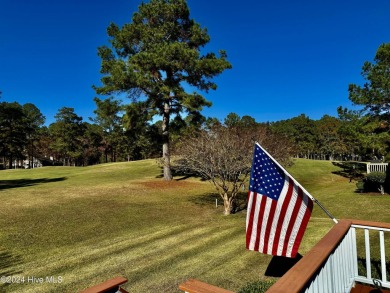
(278, 209)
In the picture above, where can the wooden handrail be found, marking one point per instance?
(195, 286)
(299, 275)
(371, 224)
(109, 286)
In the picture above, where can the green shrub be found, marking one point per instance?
(360, 186)
(376, 177)
(376, 180)
(257, 287)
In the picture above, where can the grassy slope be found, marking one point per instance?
(90, 224)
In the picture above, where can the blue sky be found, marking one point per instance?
(288, 57)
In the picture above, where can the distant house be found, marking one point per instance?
(34, 164)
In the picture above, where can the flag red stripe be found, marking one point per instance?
(283, 212)
(251, 197)
(260, 217)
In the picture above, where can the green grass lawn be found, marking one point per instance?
(86, 225)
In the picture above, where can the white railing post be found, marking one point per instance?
(350, 247)
(367, 279)
(383, 255)
(354, 252)
(368, 253)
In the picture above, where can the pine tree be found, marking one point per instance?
(154, 57)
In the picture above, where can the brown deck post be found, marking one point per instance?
(195, 286)
(109, 286)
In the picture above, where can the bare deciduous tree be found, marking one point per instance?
(224, 157)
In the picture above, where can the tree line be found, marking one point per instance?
(350, 136)
(70, 141)
(123, 133)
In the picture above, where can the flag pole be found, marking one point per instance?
(298, 184)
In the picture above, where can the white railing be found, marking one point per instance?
(376, 167)
(368, 278)
(338, 271)
(332, 264)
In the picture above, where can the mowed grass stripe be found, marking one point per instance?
(195, 259)
(78, 253)
(122, 219)
(139, 262)
(189, 248)
(155, 245)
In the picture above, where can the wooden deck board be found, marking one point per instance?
(359, 288)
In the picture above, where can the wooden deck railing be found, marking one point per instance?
(299, 276)
(330, 266)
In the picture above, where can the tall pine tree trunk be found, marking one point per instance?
(165, 139)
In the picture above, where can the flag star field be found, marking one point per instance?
(267, 178)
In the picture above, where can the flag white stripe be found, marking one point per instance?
(297, 225)
(287, 219)
(254, 222)
(265, 221)
(249, 209)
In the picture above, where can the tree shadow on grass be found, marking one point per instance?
(180, 174)
(7, 263)
(214, 199)
(351, 170)
(207, 199)
(351, 175)
(7, 184)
